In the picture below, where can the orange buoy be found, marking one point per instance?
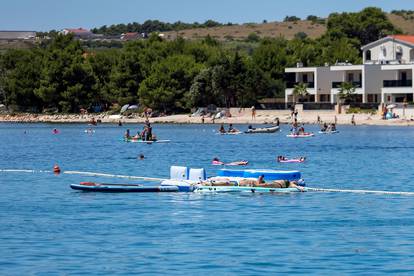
(56, 169)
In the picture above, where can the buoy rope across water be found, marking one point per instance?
(309, 189)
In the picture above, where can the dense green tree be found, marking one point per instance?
(166, 87)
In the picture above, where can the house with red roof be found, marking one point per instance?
(386, 75)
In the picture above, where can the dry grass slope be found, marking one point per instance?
(274, 29)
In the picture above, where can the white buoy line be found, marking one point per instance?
(310, 189)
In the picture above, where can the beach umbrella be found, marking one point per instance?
(391, 106)
(124, 108)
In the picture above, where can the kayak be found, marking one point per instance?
(234, 189)
(291, 161)
(121, 188)
(329, 132)
(262, 130)
(305, 135)
(236, 163)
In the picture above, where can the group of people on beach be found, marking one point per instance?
(144, 135)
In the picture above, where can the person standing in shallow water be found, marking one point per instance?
(253, 109)
(353, 120)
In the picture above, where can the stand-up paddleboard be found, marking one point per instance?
(305, 135)
(329, 132)
(230, 133)
(146, 142)
(121, 188)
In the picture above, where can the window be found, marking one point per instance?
(383, 53)
(399, 53)
(368, 55)
(305, 78)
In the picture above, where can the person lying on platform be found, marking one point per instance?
(280, 184)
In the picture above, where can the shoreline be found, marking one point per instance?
(242, 117)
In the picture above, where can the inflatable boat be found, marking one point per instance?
(262, 130)
(268, 174)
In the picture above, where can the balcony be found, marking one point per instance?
(290, 84)
(337, 84)
(398, 83)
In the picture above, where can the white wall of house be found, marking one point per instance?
(389, 50)
(390, 59)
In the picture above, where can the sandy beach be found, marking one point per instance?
(237, 117)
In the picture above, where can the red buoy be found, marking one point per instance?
(56, 169)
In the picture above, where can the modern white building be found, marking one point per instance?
(386, 75)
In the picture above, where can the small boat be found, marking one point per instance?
(262, 130)
(329, 132)
(121, 188)
(304, 135)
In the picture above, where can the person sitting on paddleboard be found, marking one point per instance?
(324, 127)
(222, 130)
(137, 136)
(231, 129)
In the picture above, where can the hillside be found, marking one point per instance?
(405, 24)
(274, 29)
(240, 32)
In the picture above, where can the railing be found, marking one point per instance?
(292, 84)
(398, 83)
(337, 84)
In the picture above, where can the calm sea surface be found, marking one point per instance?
(47, 228)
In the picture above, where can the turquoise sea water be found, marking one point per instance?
(47, 228)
